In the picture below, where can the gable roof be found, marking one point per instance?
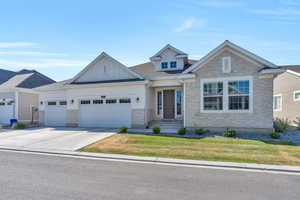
(292, 69)
(168, 46)
(103, 54)
(148, 70)
(5, 75)
(231, 45)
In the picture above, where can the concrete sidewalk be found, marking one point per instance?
(158, 160)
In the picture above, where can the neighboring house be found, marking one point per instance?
(17, 99)
(228, 88)
(287, 93)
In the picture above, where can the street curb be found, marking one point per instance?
(158, 160)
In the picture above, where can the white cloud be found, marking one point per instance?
(188, 24)
(31, 53)
(16, 44)
(290, 2)
(222, 4)
(43, 63)
(278, 12)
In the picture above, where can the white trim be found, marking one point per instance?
(168, 46)
(298, 91)
(160, 116)
(281, 101)
(233, 46)
(16, 105)
(184, 104)
(226, 60)
(175, 96)
(182, 76)
(293, 72)
(103, 54)
(226, 95)
(272, 71)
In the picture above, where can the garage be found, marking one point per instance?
(56, 113)
(106, 113)
(6, 112)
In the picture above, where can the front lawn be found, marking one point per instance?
(213, 149)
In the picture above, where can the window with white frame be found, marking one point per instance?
(227, 94)
(277, 103)
(226, 64)
(213, 96)
(297, 95)
(239, 95)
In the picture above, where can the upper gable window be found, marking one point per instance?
(173, 64)
(226, 64)
(164, 65)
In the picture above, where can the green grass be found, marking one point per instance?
(213, 149)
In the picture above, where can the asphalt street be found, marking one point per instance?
(42, 177)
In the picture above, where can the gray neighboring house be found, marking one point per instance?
(230, 87)
(18, 100)
(287, 93)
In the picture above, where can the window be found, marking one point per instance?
(238, 92)
(226, 64)
(111, 101)
(52, 103)
(213, 96)
(85, 102)
(173, 64)
(277, 103)
(97, 101)
(178, 102)
(62, 103)
(159, 102)
(227, 94)
(297, 96)
(164, 65)
(125, 100)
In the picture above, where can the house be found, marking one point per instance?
(287, 93)
(230, 87)
(17, 98)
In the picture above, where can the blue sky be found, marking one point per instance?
(59, 38)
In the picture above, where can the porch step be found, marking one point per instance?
(167, 124)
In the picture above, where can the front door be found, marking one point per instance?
(169, 104)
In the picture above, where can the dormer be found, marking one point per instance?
(169, 59)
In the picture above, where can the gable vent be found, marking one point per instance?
(226, 64)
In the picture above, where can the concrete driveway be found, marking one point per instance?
(66, 139)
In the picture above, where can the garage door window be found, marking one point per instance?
(52, 103)
(62, 103)
(98, 101)
(85, 102)
(125, 100)
(111, 101)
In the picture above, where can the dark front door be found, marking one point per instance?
(169, 104)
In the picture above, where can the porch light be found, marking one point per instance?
(41, 102)
(137, 99)
(72, 101)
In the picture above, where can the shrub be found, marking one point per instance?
(181, 131)
(297, 122)
(123, 129)
(18, 125)
(275, 135)
(229, 133)
(199, 131)
(281, 125)
(1, 127)
(156, 129)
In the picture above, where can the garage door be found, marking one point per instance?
(109, 113)
(6, 113)
(55, 113)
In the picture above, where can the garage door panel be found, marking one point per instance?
(56, 115)
(6, 113)
(105, 115)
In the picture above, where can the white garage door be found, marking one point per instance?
(55, 113)
(6, 113)
(110, 113)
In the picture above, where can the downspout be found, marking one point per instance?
(16, 107)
